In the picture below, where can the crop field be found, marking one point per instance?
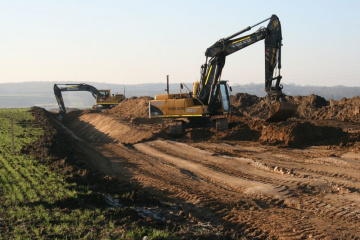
(37, 203)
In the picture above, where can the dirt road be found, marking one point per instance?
(261, 191)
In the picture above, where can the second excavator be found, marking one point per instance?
(103, 98)
(210, 96)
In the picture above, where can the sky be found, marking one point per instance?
(138, 41)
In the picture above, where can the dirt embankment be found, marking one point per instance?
(317, 122)
(310, 107)
(238, 182)
(132, 108)
(82, 163)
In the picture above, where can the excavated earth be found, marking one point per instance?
(297, 179)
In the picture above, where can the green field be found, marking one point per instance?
(37, 203)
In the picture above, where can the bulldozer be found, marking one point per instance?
(210, 97)
(103, 98)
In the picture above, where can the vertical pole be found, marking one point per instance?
(167, 84)
(12, 136)
(124, 90)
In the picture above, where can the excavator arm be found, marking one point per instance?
(70, 87)
(216, 55)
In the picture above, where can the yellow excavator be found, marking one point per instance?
(209, 97)
(103, 98)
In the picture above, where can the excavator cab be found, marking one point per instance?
(222, 103)
(106, 100)
(102, 95)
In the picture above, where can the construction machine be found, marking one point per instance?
(103, 98)
(210, 95)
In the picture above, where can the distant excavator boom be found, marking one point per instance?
(103, 97)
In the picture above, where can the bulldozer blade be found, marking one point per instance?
(281, 111)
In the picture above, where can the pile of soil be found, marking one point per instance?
(254, 107)
(128, 123)
(312, 107)
(317, 122)
(132, 108)
(309, 105)
(342, 110)
(301, 133)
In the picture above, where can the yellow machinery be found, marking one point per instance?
(103, 98)
(210, 96)
(186, 105)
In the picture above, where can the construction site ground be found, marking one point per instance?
(297, 179)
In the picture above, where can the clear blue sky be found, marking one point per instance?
(138, 41)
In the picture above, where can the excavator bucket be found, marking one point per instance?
(281, 111)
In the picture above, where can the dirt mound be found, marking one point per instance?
(301, 133)
(342, 110)
(132, 108)
(312, 107)
(128, 123)
(244, 104)
(317, 108)
(308, 105)
(105, 128)
(292, 133)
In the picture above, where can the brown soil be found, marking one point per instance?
(298, 179)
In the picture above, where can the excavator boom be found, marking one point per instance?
(58, 88)
(210, 96)
(103, 97)
(211, 70)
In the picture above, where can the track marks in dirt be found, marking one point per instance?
(306, 189)
(265, 191)
(221, 172)
(208, 168)
(212, 186)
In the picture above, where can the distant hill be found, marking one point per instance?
(27, 94)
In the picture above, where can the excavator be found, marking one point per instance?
(103, 97)
(210, 96)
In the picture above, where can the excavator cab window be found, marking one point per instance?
(224, 95)
(222, 102)
(103, 95)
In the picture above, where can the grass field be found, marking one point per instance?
(37, 203)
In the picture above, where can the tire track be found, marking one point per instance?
(219, 177)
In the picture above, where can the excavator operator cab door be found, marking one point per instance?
(223, 100)
(225, 97)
